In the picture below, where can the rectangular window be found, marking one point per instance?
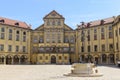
(95, 36)
(82, 49)
(88, 37)
(88, 48)
(95, 48)
(103, 47)
(24, 38)
(35, 39)
(72, 49)
(10, 37)
(24, 49)
(102, 36)
(2, 35)
(110, 47)
(9, 47)
(10, 30)
(17, 37)
(2, 29)
(1, 47)
(17, 48)
(41, 40)
(110, 35)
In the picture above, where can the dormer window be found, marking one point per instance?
(17, 24)
(102, 22)
(2, 20)
(88, 24)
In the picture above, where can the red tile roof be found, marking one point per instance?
(97, 22)
(14, 23)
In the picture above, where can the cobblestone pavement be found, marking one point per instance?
(52, 72)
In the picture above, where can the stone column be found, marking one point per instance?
(101, 59)
(12, 60)
(5, 61)
(19, 61)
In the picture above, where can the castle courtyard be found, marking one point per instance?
(52, 72)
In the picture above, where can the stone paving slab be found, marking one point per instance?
(52, 72)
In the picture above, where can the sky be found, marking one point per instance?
(74, 11)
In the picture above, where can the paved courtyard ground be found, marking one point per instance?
(52, 72)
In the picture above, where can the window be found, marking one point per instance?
(46, 57)
(17, 32)
(2, 35)
(88, 48)
(82, 49)
(48, 23)
(17, 48)
(47, 49)
(41, 40)
(65, 49)
(10, 37)
(60, 57)
(17, 37)
(88, 37)
(65, 57)
(10, 30)
(102, 30)
(103, 47)
(95, 30)
(9, 47)
(24, 38)
(102, 36)
(95, 36)
(2, 29)
(110, 34)
(24, 49)
(110, 47)
(59, 23)
(110, 28)
(41, 49)
(53, 23)
(95, 47)
(35, 39)
(1, 47)
(72, 49)
(66, 39)
(102, 33)
(40, 57)
(24, 33)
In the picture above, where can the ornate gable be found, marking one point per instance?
(53, 14)
(40, 28)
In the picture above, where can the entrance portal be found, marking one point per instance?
(53, 59)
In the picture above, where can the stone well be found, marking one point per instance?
(84, 70)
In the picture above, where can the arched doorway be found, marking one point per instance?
(104, 58)
(2, 60)
(111, 58)
(23, 59)
(16, 59)
(96, 60)
(53, 59)
(89, 58)
(8, 60)
(82, 58)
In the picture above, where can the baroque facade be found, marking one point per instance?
(54, 42)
